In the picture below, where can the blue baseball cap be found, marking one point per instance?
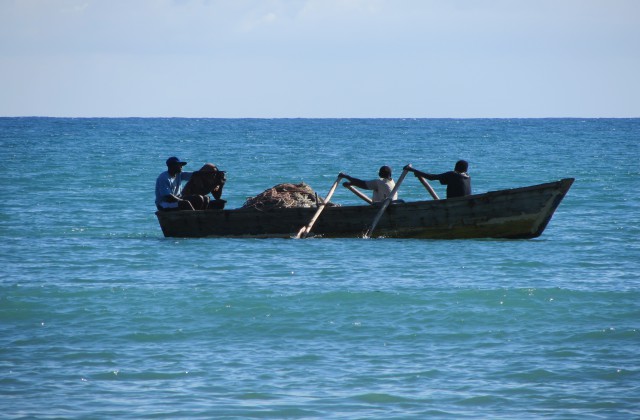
(175, 161)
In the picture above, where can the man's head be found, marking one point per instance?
(384, 172)
(174, 164)
(461, 166)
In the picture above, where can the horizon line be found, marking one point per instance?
(319, 118)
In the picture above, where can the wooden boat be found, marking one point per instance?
(517, 213)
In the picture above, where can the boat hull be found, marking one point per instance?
(514, 213)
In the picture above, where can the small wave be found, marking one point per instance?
(484, 400)
(256, 396)
(381, 398)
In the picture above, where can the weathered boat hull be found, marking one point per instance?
(514, 213)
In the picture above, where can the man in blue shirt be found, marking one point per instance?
(169, 188)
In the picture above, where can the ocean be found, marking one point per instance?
(103, 317)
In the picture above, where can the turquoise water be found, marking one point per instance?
(102, 317)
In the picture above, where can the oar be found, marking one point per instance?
(428, 187)
(305, 230)
(386, 202)
(359, 194)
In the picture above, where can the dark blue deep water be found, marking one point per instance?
(103, 317)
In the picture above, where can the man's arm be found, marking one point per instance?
(417, 173)
(163, 191)
(170, 198)
(354, 181)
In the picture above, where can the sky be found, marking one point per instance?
(320, 58)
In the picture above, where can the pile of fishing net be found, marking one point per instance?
(284, 195)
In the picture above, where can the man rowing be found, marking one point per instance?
(458, 181)
(381, 187)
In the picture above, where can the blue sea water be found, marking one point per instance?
(103, 317)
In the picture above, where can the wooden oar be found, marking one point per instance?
(428, 187)
(359, 194)
(386, 202)
(305, 230)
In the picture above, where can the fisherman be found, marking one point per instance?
(169, 188)
(209, 179)
(382, 187)
(458, 181)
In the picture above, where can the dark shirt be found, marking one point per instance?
(458, 184)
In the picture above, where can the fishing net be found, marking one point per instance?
(284, 195)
